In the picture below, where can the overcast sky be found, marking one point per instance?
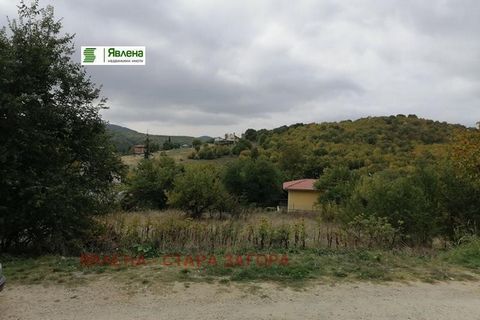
(225, 66)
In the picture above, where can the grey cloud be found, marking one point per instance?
(213, 66)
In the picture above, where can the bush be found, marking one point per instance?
(241, 145)
(208, 152)
(467, 254)
(151, 181)
(199, 190)
(336, 184)
(401, 201)
(254, 181)
(374, 230)
(460, 200)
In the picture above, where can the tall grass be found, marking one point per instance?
(172, 231)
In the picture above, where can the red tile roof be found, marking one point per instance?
(302, 184)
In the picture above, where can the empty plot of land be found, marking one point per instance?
(105, 299)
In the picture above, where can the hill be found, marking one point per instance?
(371, 144)
(124, 138)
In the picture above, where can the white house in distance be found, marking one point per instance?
(230, 138)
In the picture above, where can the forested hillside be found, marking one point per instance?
(125, 138)
(371, 144)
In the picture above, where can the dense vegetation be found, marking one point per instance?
(416, 177)
(370, 144)
(399, 178)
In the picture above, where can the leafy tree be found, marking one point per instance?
(465, 153)
(336, 184)
(56, 160)
(241, 145)
(196, 143)
(147, 152)
(154, 147)
(460, 201)
(199, 190)
(292, 160)
(251, 135)
(207, 152)
(255, 153)
(401, 200)
(254, 181)
(150, 182)
(168, 144)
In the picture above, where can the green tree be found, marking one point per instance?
(400, 198)
(465, 153)
(56, 160)
(150, 182)
(336, 184)
(292, 160)
(168, 144)
(254, 181)
(199, 190)
(241, 145)
(148, 151)
(196, 143)
(460, 201)
(251, 135)
(207, 152)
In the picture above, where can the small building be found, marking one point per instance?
(230, 138)
(138, 149)
(302, 195)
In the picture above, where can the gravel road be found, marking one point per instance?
(104, 299)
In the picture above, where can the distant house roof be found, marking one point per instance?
(302, 184)
(138, 149)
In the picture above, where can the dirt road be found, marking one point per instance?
(105, 300)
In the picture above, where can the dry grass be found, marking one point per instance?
(303, 238)
(179, 155)
(172, 231)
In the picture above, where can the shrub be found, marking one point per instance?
(466, 254)
(151, 181)
(336, 184)
(254, 181)
(400, 200)
(241, 145)
(373, 230)
(199, 190)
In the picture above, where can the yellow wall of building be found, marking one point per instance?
(302, 200)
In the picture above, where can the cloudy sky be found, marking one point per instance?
(224, 66)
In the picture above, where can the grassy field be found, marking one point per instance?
(180, 156)
(303, 267)
(179, 249)
(173, 231)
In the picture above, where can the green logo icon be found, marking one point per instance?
(89, 55)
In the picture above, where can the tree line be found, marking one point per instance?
(161, 183)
